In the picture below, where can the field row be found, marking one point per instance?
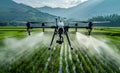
(61, 59)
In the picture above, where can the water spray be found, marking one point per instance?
(15, 48)
(99, 47)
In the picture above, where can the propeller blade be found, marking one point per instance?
(35, 22)
(40, 22)
(23, 22)
(81, 21)
(100, 22)
(92, 21)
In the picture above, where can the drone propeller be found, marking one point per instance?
(90, 24)
(81, 21)
(19, 22)
(100, 22)
(94, 22)
(28, 25)
(40, 22)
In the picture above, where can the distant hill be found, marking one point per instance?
(11, 11)
(53, 11)
(88, 9)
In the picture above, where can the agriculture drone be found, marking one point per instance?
(60, 29)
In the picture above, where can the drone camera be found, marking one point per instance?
(59, 41)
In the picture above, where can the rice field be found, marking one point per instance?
(20, 53)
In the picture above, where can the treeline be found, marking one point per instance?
(114, 20)
(11, 24)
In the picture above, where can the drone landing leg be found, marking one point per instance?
(52, 39)
(68, 39)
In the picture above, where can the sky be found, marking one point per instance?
(51, 3)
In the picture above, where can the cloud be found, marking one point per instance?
(51, 3)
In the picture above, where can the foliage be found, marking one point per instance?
(114, 20)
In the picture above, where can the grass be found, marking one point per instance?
(81, 60)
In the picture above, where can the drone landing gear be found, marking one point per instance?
(60, 41)
(68, 39)
(52, 39)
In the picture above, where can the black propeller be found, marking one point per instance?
(40, 22)
(92, 22)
